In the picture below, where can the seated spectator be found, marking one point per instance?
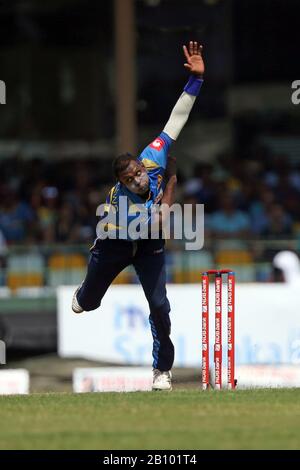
(259, 209)
(16, 216)
(65, 226)
(47, 213)
(3, 245)
(228, 222)
(201, 186)
(279, 223)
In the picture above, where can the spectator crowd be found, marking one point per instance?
(46, 202)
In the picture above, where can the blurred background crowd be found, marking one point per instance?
(47, 202)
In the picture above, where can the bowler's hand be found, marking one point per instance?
(194, 61)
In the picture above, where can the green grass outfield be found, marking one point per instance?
(182, 419)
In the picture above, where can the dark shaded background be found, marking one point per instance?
(57, 58)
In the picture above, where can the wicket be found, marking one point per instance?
(218, 328)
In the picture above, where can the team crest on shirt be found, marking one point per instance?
(157, 144)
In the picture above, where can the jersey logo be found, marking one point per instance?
(159, 181)
(157, 144)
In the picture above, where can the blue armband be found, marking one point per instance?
(193, 86)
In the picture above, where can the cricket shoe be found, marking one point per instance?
(162, 380)
(75, 305)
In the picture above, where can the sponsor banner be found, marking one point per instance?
(14, 382)
(267, 325)
(268, 376)
(112, 379)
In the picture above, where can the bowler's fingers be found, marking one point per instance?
(193, 49)
(185, 51)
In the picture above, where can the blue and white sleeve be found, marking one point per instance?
(182, 108)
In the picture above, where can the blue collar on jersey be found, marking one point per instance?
(135, 197)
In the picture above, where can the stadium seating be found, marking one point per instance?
(25, 270)
(66, 269)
